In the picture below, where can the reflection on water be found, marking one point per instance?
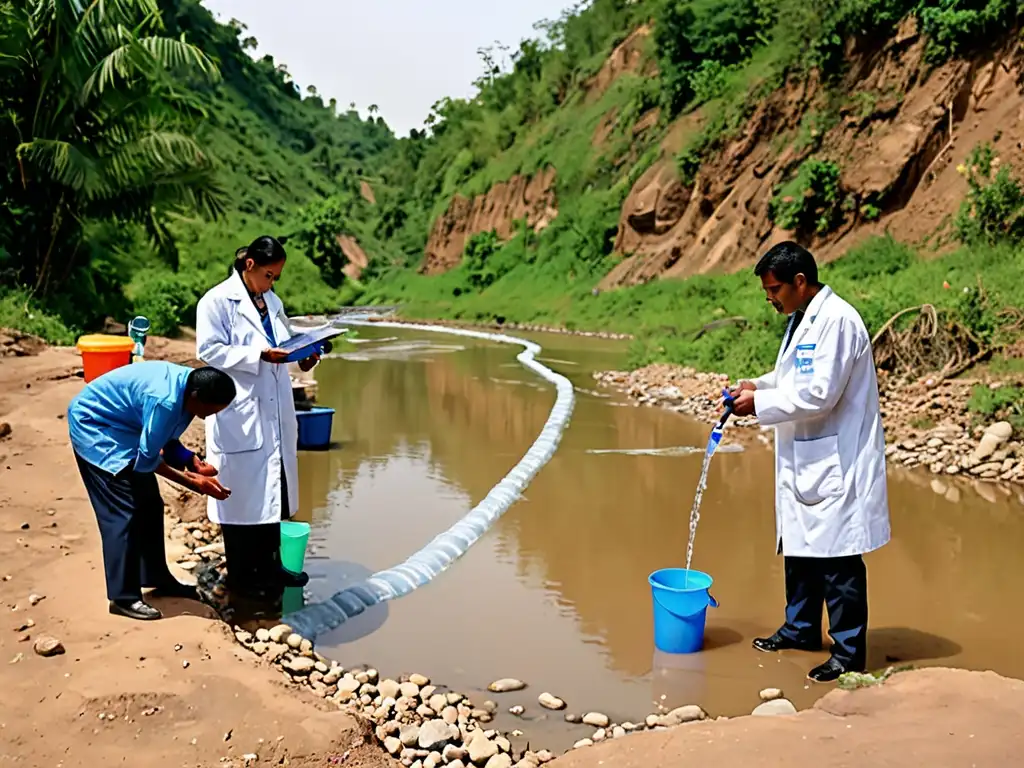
(556, 592)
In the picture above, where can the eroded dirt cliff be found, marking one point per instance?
(902, 129)
(896, 128)
(529, 198)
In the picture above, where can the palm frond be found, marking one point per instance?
(60, 161)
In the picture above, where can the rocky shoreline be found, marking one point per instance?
(418, 723)
(927, 422)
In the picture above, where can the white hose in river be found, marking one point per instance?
(424, 566)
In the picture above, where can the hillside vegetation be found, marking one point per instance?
(632, 144)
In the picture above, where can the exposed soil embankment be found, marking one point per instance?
(529, 198)
(897, 132)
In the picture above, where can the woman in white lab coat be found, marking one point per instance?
(254, 442)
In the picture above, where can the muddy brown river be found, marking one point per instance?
(556, 593)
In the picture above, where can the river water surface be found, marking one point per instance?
(556, 593)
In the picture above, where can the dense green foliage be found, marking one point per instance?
(253, 155)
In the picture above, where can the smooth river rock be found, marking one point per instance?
(596, 719)
(775, 707)
(481, 749)
(499, 761)
(680, 715)
(434, 735)
(505, 685)
(770, 694)
(549, 701)
(300, 665)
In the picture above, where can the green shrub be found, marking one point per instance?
(994, 207)
(167, 299)
(811, 201)
(1005, 403)
(21, 313)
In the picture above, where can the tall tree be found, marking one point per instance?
(98, 123)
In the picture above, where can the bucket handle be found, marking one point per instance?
(711, 602)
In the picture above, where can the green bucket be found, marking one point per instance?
(294, 537)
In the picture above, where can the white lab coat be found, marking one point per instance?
(251, 439)
(831, 498)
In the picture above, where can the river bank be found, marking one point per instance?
(928, 422)
(189, 687)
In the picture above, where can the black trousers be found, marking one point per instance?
(130, 515)
(253, 552)
(840, 583)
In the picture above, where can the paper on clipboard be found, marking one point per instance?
(309, 338)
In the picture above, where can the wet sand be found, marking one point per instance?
(556, 593)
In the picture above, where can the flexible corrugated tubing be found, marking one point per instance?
(425, 565)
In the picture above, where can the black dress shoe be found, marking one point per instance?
(134, 609)
(777, 643)
(831, 670)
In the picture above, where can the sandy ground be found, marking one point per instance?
(177, 692)
(181, 692)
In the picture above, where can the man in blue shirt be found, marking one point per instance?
(124, 430)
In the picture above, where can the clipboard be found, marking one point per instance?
(310, 343)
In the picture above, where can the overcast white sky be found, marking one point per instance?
(402, 55)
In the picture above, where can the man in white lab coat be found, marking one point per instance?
(831, 502)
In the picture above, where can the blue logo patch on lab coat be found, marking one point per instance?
(804, 359)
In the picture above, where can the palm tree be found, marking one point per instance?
(98, 123)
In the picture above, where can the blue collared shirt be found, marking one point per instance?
(130, 414)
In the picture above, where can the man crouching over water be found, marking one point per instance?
(124, 428)
(831, 500)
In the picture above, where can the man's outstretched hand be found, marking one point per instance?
(200, 467)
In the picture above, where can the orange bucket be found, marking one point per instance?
(102, 353)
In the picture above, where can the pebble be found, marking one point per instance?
(300, 665)
(294, 641)
(680, 715)
(618, 732)
(775, 707)
(392, 745)
(583, 743)
(454, 752)
(419, 680)
(596, 719)
(499, 761)
(389, 689)
(35, 599)
(574, 719)
(409, 690)
(481, 749)
(47, 646)
(506, 685)
(279, 633)
(549, 701)
(770, 694)
(517, 710)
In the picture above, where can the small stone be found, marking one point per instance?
(305, 647)
(300, 665)
(517, 710)
(47, 646)
(348, 683)
(35, 599)
(583, 743)
(549, 701)
(618, 732)
(409, 690)
(481, 749)
(419, 680)
(243, 637)
(280, 633)
(545, 757)
(499, 761)
(450, 715)
(506, 685)
(392, 745)
(263, 635)
(432, 760)
(409, 735)
(596, 719)
(775, 707)
(573, 718)
(456, 764)
(390, 689)
(599, 735)
(770, 694)
(454, 697)
(453, 752)
(437, 702)
(294, 641)
(680, 715)
(434, 735)
(503, 744)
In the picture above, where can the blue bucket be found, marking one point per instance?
(681, 601)
(315, 427)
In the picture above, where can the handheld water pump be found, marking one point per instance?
(716, 432)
